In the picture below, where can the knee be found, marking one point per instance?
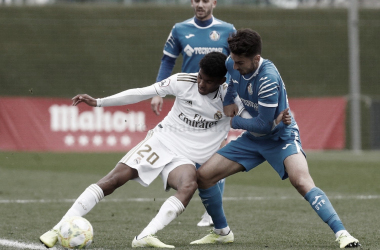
(303, 184)
(200, 180)
(205, 182)
(188, 188)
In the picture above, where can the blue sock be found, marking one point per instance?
(221, 184)
(212, 200)
(323, 207)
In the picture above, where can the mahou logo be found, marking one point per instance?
(64, 118)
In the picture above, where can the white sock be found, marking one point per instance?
(223, 231)
(170, 210)
(339, 233)
(85, 202)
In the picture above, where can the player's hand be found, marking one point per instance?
(156, 104)
(231, 110)
(84, 98)
(285, 117)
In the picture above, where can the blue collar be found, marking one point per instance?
(203, 23)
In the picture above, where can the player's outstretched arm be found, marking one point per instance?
(156, 104)
(90, 101)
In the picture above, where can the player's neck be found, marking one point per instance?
(213, 95)
(204, 23)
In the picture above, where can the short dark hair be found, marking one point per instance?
(245, 42)
(213, 64)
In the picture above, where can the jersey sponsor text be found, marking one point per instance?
(197, 121)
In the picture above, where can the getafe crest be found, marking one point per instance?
(218, 115)
(214, 35)
(165, 83)
(250, 91)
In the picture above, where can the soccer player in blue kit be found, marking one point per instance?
(262, 92)
(194, 38)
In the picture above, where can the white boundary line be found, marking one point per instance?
(33, 246)
(22, 245)
(248, 198)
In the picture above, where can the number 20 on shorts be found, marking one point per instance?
(146, 149)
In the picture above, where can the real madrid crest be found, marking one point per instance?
(250, 91)
(214, 35)
(218, 115)
(165, 83)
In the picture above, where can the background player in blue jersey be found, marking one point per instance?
(262, 91)
(194, 38)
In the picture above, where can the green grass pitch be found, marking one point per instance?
(36, 189)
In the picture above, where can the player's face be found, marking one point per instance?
(245, 65)
(207, 85)
(203, 8)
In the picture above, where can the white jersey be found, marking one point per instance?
(196, 124)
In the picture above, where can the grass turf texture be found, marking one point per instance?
(263, 211)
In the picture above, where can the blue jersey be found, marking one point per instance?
(194, 41)
(262, 91)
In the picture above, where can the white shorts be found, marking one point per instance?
(152, 158)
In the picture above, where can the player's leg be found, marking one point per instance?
(297, 169)
(183, 179)
(215, 169)
(91, 196)
(206, 220)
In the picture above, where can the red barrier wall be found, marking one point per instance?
(52, 124)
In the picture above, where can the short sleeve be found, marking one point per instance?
(268, 91)
(172, 46)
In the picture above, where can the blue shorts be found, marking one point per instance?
(251, 152)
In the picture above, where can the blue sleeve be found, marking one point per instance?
(166, 68)
(261, 124)
(231, 92)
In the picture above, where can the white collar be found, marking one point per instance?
(257, 70)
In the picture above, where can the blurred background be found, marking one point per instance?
(58, 48)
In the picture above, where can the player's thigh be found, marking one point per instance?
(117, 176)
(216, 168)
(170, 170)
(238, 155)
(298, 171)
(183, 177)
(276, 152)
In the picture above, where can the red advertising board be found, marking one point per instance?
(52, 124)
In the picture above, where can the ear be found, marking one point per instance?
(213, 3)
(257, 58)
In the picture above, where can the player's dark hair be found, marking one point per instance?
(245, 42)
(213, 64)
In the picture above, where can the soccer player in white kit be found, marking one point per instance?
(191, 133)
(193, 38)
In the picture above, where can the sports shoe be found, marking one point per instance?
(149, 241)
(347, 241)
(206, 221)
(213, 238)
(49, 238)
